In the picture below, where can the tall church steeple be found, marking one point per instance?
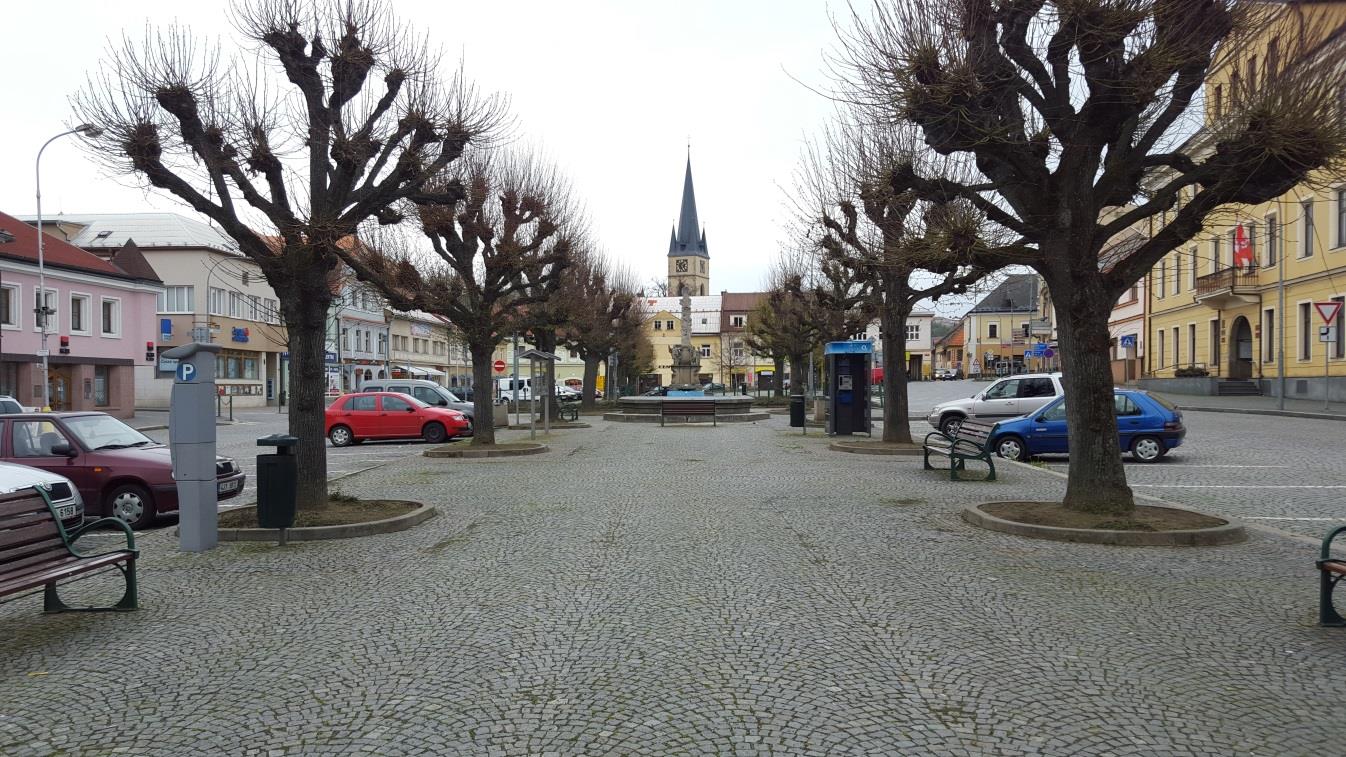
(688, 257)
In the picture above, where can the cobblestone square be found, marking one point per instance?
(686, 590)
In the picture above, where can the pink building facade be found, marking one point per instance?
(100, 335)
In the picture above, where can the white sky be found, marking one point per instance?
(611, 89)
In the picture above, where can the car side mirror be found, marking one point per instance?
(1041, 419)
(411, 409)
(63, 449)
(442, 402)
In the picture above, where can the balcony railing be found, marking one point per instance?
(1228, 280)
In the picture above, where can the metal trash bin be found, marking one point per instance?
(796, 411)
(277, 482)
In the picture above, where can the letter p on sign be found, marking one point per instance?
(186, 371)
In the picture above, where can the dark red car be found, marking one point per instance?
(118, 470)
(353, 418)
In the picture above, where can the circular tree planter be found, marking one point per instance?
(875, 447)
(1148, 527)
(418, 514)
(507, 449)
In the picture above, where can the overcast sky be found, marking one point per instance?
(611, 89)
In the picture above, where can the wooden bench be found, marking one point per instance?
(690, 408)
(1330, 572)
(36, 550)
(970, 441)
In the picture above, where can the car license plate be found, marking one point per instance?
(226, 487)
(66, 513)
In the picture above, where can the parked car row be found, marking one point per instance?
(353, 418)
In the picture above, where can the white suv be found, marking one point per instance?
(1009, 397)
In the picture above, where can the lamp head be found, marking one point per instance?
(89, 130)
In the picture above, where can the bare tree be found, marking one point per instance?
(360, 123)
(898, 248)
(1076, 117)
(497, 252)
(787, 325)
(599, 295)
(655, 287)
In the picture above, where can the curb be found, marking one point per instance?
(481, 453)
(1256, 411)
(555, 426)
(654, 418)
(321, 533)
(861, 448)
(1232, 532)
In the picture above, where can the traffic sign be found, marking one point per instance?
(499, 366)
(1128, 341)
(1050, 353)
(1328, 310)
(1327, 333)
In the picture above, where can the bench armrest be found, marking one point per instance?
(75, 533)
(1327, 541)
(939, 435)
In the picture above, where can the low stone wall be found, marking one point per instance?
(1203, 386)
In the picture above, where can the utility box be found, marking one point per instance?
(191, 440)
(277, 482)
(848, 372)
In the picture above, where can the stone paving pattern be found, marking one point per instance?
(688, 590)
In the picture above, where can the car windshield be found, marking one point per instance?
(452, 397)
(105, 432)
(412, 400)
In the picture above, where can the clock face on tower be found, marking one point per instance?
(681, 266)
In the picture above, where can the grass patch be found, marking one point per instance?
(341, 510)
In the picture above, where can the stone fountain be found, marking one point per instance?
(686, 360)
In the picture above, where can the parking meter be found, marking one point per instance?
(191, 439)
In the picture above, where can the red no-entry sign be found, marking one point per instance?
(499, 366)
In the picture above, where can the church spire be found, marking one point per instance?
(690, 237)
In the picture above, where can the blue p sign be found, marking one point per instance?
(186, 371)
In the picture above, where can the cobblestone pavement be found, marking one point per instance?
(687, 590)
(1281, 472)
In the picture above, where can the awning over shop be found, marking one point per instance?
(417, 370)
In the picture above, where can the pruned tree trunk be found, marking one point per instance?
(587, 399)
(778, 363)
(1097, 480)
(893, 324)
(799, 374)
(306, 326)
(483, 431)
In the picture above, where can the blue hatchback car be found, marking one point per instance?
(1149, 426)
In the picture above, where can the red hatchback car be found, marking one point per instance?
(119, 471)
(353, 418)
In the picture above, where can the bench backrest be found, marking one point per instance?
(29, 533)
(974, 432)
(687, 408)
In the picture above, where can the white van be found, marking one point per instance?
(505, 388)
(426, 391)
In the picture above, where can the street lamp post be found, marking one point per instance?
(41, 308)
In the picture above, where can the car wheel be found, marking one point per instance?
(950, 424)
(434, 433)
(131, 503)
(1148, 449)
(341, 436)
(1011, 448)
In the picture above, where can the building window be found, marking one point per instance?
(1252, 242)
(738, 320)
(254, 308)
(1177, 273)
(383, 344)
(1273, 240)
(1306, 228)
(993, 331)
(658, 325)
(705, 350)
(1341, 218)
(1214, 349)
(1177, 350)
(913, 332)
(1269, 335)
(177, 299)
(1214, 254)
(1252, 74)
(112, 316)
(366, 341)
(79, 314)
(272, 311)
(1191, 342)
(1159, 335)
(1219, 100)
(100, 385)
(345, 339)
(51, 317)
(217, 301)
(668, 325)
(1193, 274)
(1273, 56)
(249, 367)
(1305, 330)
(1235, 88)
(237, 309)
(9, 306)
(1161, 290)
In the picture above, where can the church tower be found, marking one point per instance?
(688, 260)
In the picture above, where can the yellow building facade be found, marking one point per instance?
(1208, 314)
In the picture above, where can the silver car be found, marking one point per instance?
(1007, 398)
(64, 496)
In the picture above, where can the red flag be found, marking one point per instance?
(1243, 253)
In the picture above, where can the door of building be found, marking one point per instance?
(60, 379)
(1241, 350)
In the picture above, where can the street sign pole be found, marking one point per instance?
(1328, 311)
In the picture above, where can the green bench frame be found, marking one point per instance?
(568, 411)
(36, 550)
(1330, 572)
(971, 441)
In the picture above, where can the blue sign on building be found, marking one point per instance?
(240, 334)
(165, 329)
(1128, 341)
